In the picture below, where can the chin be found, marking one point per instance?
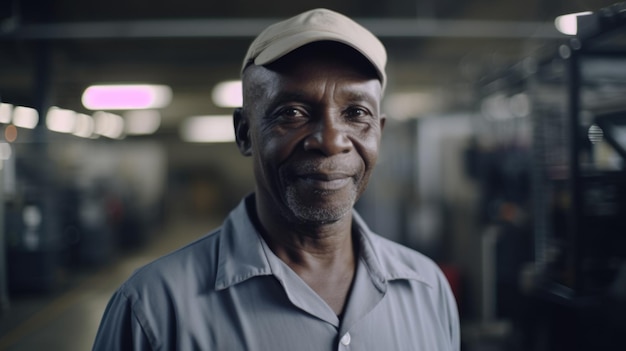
(318, 212)
(320, 216)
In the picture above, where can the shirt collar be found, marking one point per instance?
(384, 259)
(242, 253)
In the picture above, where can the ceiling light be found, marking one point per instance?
(5, 113)
(126, 97)
(520, 105)
(108, 125)
(410, 104)
(142, 122)
(60, 120)
(497, 107)
(84, 126)
(25, 117)
(568, 24)
(208, 129)
(228, 94)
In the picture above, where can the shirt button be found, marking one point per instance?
(346, 339)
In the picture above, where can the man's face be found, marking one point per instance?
(314, 129)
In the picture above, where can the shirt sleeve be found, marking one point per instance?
(455, 329)
(450, 311)
(120, 329)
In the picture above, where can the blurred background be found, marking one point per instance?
(502, 158)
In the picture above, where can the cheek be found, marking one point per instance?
(368, 146)
(278, 146)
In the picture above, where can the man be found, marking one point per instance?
(294, 267)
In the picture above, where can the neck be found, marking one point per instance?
(323, 255)
(307, 251)
(307, 244)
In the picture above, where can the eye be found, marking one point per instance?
(357, 113)
(291, 114)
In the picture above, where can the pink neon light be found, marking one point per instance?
(121, 97)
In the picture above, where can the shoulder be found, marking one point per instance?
(192, 266)
(157, 294)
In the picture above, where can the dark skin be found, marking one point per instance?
(312, 125)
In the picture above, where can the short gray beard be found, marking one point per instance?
(316, 215)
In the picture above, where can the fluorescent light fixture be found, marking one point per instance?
(5, 112)
(25, 117)
(208, 129)
(228, 94)
(126, 97)
(520, 105)
(142, 122)
(60, 120)
(84, 126)
(109, 125)
(410, 104)
(567, 24)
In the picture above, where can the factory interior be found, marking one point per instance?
(502, 159)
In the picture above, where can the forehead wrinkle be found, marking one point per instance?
(298, 93)
(358, 95)
(330, 91)
(258, 83)
(357, 92)
(290, 95)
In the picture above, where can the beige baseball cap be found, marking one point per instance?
(315, 25)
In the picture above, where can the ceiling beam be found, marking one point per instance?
(248, 28)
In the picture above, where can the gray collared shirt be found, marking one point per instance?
(228, 291)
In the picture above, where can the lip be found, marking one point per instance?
(325, 181)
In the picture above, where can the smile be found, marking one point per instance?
(327, 182)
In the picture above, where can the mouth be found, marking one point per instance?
(325, 181)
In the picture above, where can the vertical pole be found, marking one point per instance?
(4, 290)
(575, 213)
(45, 177)
(490, 294)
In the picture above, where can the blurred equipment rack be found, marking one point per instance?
(596, 107)
(580, 187)
(576, 281)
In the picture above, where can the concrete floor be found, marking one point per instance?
(68, 319)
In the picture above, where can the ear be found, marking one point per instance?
(383, 119)
(242, 132)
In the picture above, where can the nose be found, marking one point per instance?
(329, 137)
